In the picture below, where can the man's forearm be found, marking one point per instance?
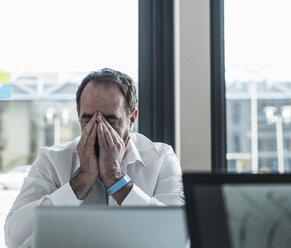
(82, 184)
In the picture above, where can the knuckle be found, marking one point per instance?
(85, 131)
(114, 150)
(118, 146)
(79, 147)
(80, 150)
(91, 142)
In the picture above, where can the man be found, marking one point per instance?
(106, 165)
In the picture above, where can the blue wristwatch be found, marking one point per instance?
(118, 185)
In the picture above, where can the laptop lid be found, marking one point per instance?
(102, 226)
(238, 210)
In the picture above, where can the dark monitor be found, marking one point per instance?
(238, 210)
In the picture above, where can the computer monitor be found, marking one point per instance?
(238, 210)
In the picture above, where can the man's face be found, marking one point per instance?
(109, 100)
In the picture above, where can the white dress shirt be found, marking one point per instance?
(152, 167)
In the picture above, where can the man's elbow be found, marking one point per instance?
(12, 239)
(7, 233)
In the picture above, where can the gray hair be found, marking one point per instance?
(107, 75)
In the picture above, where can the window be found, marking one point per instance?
(258, 84)
(46, 49)
(43, 59)
(235, 112)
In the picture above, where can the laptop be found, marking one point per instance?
(103, 226)
(238, 210)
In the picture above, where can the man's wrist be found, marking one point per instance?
(109, 181)
(121, 194)
(82, 183)
(118, 185)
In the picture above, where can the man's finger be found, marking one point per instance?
(101, 138)
(108, 136)
(125, 137)
(114, 134)
(87, 130)
(126, 143)
(92, 136)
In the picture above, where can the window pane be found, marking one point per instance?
(46, 48)
(258, 85)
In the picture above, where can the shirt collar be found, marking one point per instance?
(132, 155)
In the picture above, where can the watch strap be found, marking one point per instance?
(118, 185)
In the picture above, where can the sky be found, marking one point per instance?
(85, 35)
(258, 37)
(68, 35)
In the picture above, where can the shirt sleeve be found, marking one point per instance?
(37, 190)
(137, 197)
(168, 188)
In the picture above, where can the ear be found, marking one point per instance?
(133, 118)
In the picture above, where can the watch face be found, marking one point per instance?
(96, 147)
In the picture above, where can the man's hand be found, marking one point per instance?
(112, 150)
(89, 170)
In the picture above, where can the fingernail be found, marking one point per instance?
(99, 119)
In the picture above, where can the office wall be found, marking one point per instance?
(192, 58)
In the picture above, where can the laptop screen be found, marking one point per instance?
(239, 210)
(103, 226)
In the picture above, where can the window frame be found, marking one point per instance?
(156, 70)
(218, 101)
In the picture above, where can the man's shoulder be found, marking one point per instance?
(56, 162)
(144, 144)
(69, 146)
